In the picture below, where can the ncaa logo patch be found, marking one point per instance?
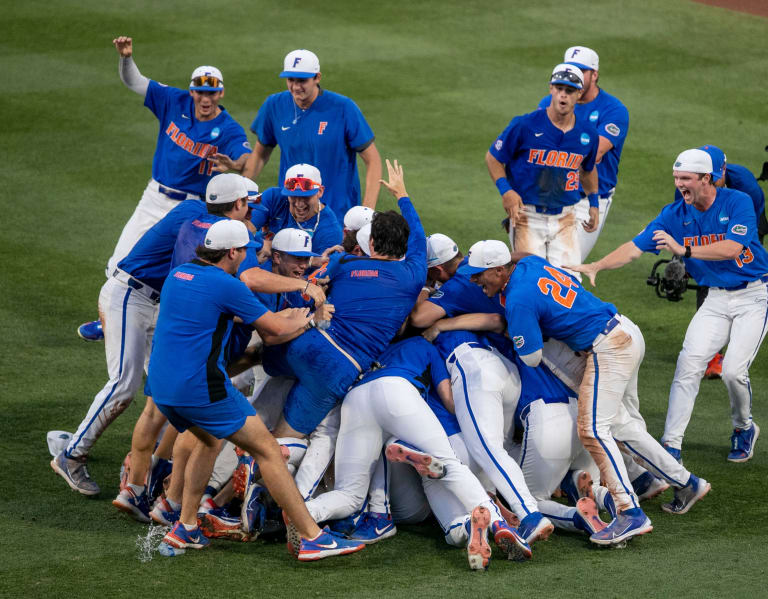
(739, 229)
(593, 116)
(612, 128)
(215, 132)
(585, 139)
(723, 218)
(519, 341)
(498, 145)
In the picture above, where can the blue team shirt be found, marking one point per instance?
(542, 163)
(459, 295)
(184, 143)
(544, 301)
(327, 135)
(374, 297)
(611, 119)
(274, 213)
(192, 234)
(731, 216)
(191, 342)
(150, 259)
(741, 179)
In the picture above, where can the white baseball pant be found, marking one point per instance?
(737, 318)
(588, 240)
(129, 319)
(370, 414)
(551, 236)
(152, 207)
(486, 388)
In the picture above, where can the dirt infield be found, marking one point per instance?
(755, 7)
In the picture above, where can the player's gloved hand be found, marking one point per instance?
(396, 183)
(590, 270)
(594, 219)
(513, 205)
(124, 46)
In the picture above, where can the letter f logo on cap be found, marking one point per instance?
(575, 52)
(296, 61)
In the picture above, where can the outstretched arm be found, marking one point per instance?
(622, 255)
(129, 72)
(372, 161)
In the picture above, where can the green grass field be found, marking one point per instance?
(437, 82)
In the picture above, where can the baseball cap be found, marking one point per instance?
(718, 160)
(693, 161)
(304, 179)
(227, 234)
(294, 242)
(357, 217)
(567, 74)
(582, 57)
(440, 249)
(226, 188)
(206, 79)
(301, 64)
(253, 191)
(364, 239)
(486, 254)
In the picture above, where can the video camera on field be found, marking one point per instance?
(671, 282)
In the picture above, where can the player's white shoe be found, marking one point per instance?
(478, 549)
(687, 496)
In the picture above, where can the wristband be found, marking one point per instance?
(310, 325)
(503, 185)
(593, 203)
(687, 251)
(305, 289)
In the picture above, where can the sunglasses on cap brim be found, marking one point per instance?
(566, 77)
(207, 81)
(302, 183)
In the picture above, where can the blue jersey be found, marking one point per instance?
(191, 342)
(373, 297)
(184, 143)
(326, 135)
(459, 295)
(414, 359)
(447, 420)
(741, 179)
(611, 119)
(273, 212)
(544, 301)
(192, 234)
(542, 163)
(150, 259)
(731, 216)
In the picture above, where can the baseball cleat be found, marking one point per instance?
(674, 452)
(253, 511)
(136, 506)
(687, 496)
(577, 484)
(245, 470)
(220, 523)
(535, 527)
(509, 516)
(425, 464)
(510, 542)
(478, 549)
(743, 443)
(179, 539)
(163, 513)
(373, 527)
(587, 517)
(206, 505)
(345, 526)
(326, 544)
(75, 473)
(91, 331)
(158, 472)
(627, 524)
(647, 486)
(715, 367)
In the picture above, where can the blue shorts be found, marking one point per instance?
(324, 376)
(219, 418)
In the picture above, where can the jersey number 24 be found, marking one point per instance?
(560, 288)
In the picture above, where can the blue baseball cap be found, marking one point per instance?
(300, 64)
(294, 242)
(718, 161)
(485, 254)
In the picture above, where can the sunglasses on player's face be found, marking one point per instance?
(207, 81)
(301, 183)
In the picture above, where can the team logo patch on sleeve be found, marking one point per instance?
(739, 229)
(612, 128)
(498, 145)
(247, 145)
(519, 341)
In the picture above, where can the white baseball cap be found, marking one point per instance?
(253, 191)
(302, 171)
(301, 64)
(206, 79)
(294, 242)
(357, 217)
(693, 161)
(486, 254)
(227, 234)
(567, 74)
(440, 249)
(582, 57)
(226, 188)
(364, 239)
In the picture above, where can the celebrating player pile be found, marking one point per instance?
(401, 377)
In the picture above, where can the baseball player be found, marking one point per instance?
(192, 389)
(543, 301)
(354, 220)
(193, 128)
(714, 230)
(538, 163)
(297, 205)
(611, 119)
(314, 126)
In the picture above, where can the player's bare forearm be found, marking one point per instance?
(588, 180)
(474, 322)
(256, 160)
(262, 281)
(727, 249)
(373, 171)
(624, 254)
(425, 314)
(605, 146)
(495, 168)
(446, 395)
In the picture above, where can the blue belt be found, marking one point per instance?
(545, 210)
(472, 344)
(609, 326)
(134, 283)
(174, 195)
(763, 279)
